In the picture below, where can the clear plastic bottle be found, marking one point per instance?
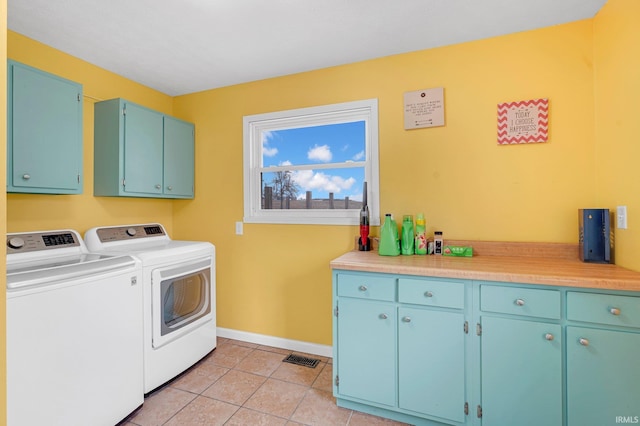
(407, 241)
(389, 237)
(421, 235)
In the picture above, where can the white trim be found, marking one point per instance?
(254, 125)
(278, 342)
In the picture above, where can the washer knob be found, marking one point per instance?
(15, 243)
(131, 232)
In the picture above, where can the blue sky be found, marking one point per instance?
(335, 143)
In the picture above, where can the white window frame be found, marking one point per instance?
(255, 125)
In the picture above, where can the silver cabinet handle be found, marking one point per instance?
(519, 302)
(549, 336)
(170, 188)
(428, 294)
(26, 176)
(583, 341)
(383, 316)
(406, 319)
(158, 186)
(362, 288)
(614, 311)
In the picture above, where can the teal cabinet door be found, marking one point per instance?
(521, 370)
(143, 159)
(139, 152)
(179, 157)
(366, 363)
(603, 377)
(431, 362)
(44, 139)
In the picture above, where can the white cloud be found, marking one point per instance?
(266, 150)
(310, 181)
(320, 153)
(359, 156)
(285, 163)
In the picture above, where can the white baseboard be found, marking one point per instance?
(278, 342)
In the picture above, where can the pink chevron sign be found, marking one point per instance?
(523, 122)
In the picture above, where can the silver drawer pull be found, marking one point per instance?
(428, 294)
(170, 188)
(583, 341)
(383, 316)
(549, 336)
(614, 311)
(26, 176)
(362, 288)
(519, 302)
(158, 186)
(406, 319)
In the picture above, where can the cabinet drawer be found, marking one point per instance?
(431, 292)
(367, 287)
(520, 301)
(604, 308)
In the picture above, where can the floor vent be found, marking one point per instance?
(302, 360)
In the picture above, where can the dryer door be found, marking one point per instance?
(181, 299)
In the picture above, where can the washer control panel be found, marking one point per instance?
(37, 241)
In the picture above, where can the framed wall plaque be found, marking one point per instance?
(523, 122)
(424, 108)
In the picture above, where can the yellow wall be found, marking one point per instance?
(617, 94)
(275, 279)
(28, 212)
(3, 208)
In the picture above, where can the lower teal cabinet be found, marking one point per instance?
(437, 351)
(366, 338)
(603, 376)
(431, 362)
(521, 370)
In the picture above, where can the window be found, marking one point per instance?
(308, 165)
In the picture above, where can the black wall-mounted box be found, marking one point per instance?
(594, 240)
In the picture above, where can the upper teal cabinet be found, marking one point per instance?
(139, 152)
(44, 132)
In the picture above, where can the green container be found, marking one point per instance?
(421, 235)
(407, 241)
(389, 237)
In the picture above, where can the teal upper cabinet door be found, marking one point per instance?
(142, 150)
(179, 157)
(141, 153)
(44, 138)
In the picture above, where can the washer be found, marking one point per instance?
(178, 280)
(74, 327)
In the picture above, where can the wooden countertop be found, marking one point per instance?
(526, 266)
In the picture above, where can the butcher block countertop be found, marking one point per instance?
(554, 264)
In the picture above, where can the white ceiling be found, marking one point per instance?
(186, 46)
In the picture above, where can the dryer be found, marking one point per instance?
(178, 281)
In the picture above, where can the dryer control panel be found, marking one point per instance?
(131, 232)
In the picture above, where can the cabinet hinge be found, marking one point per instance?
(123, 183)
(466, 408)
(78, 97)
(479, 411)
(124, 110)
(466, 327)
(78, 178)
(478, 329)
(337, 380)
(335, 311)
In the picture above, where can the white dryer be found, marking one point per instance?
(74, 326)
(179, 309)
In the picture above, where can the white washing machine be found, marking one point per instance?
(178, 280)
(74, 326)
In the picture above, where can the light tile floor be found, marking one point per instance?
(242, 383)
